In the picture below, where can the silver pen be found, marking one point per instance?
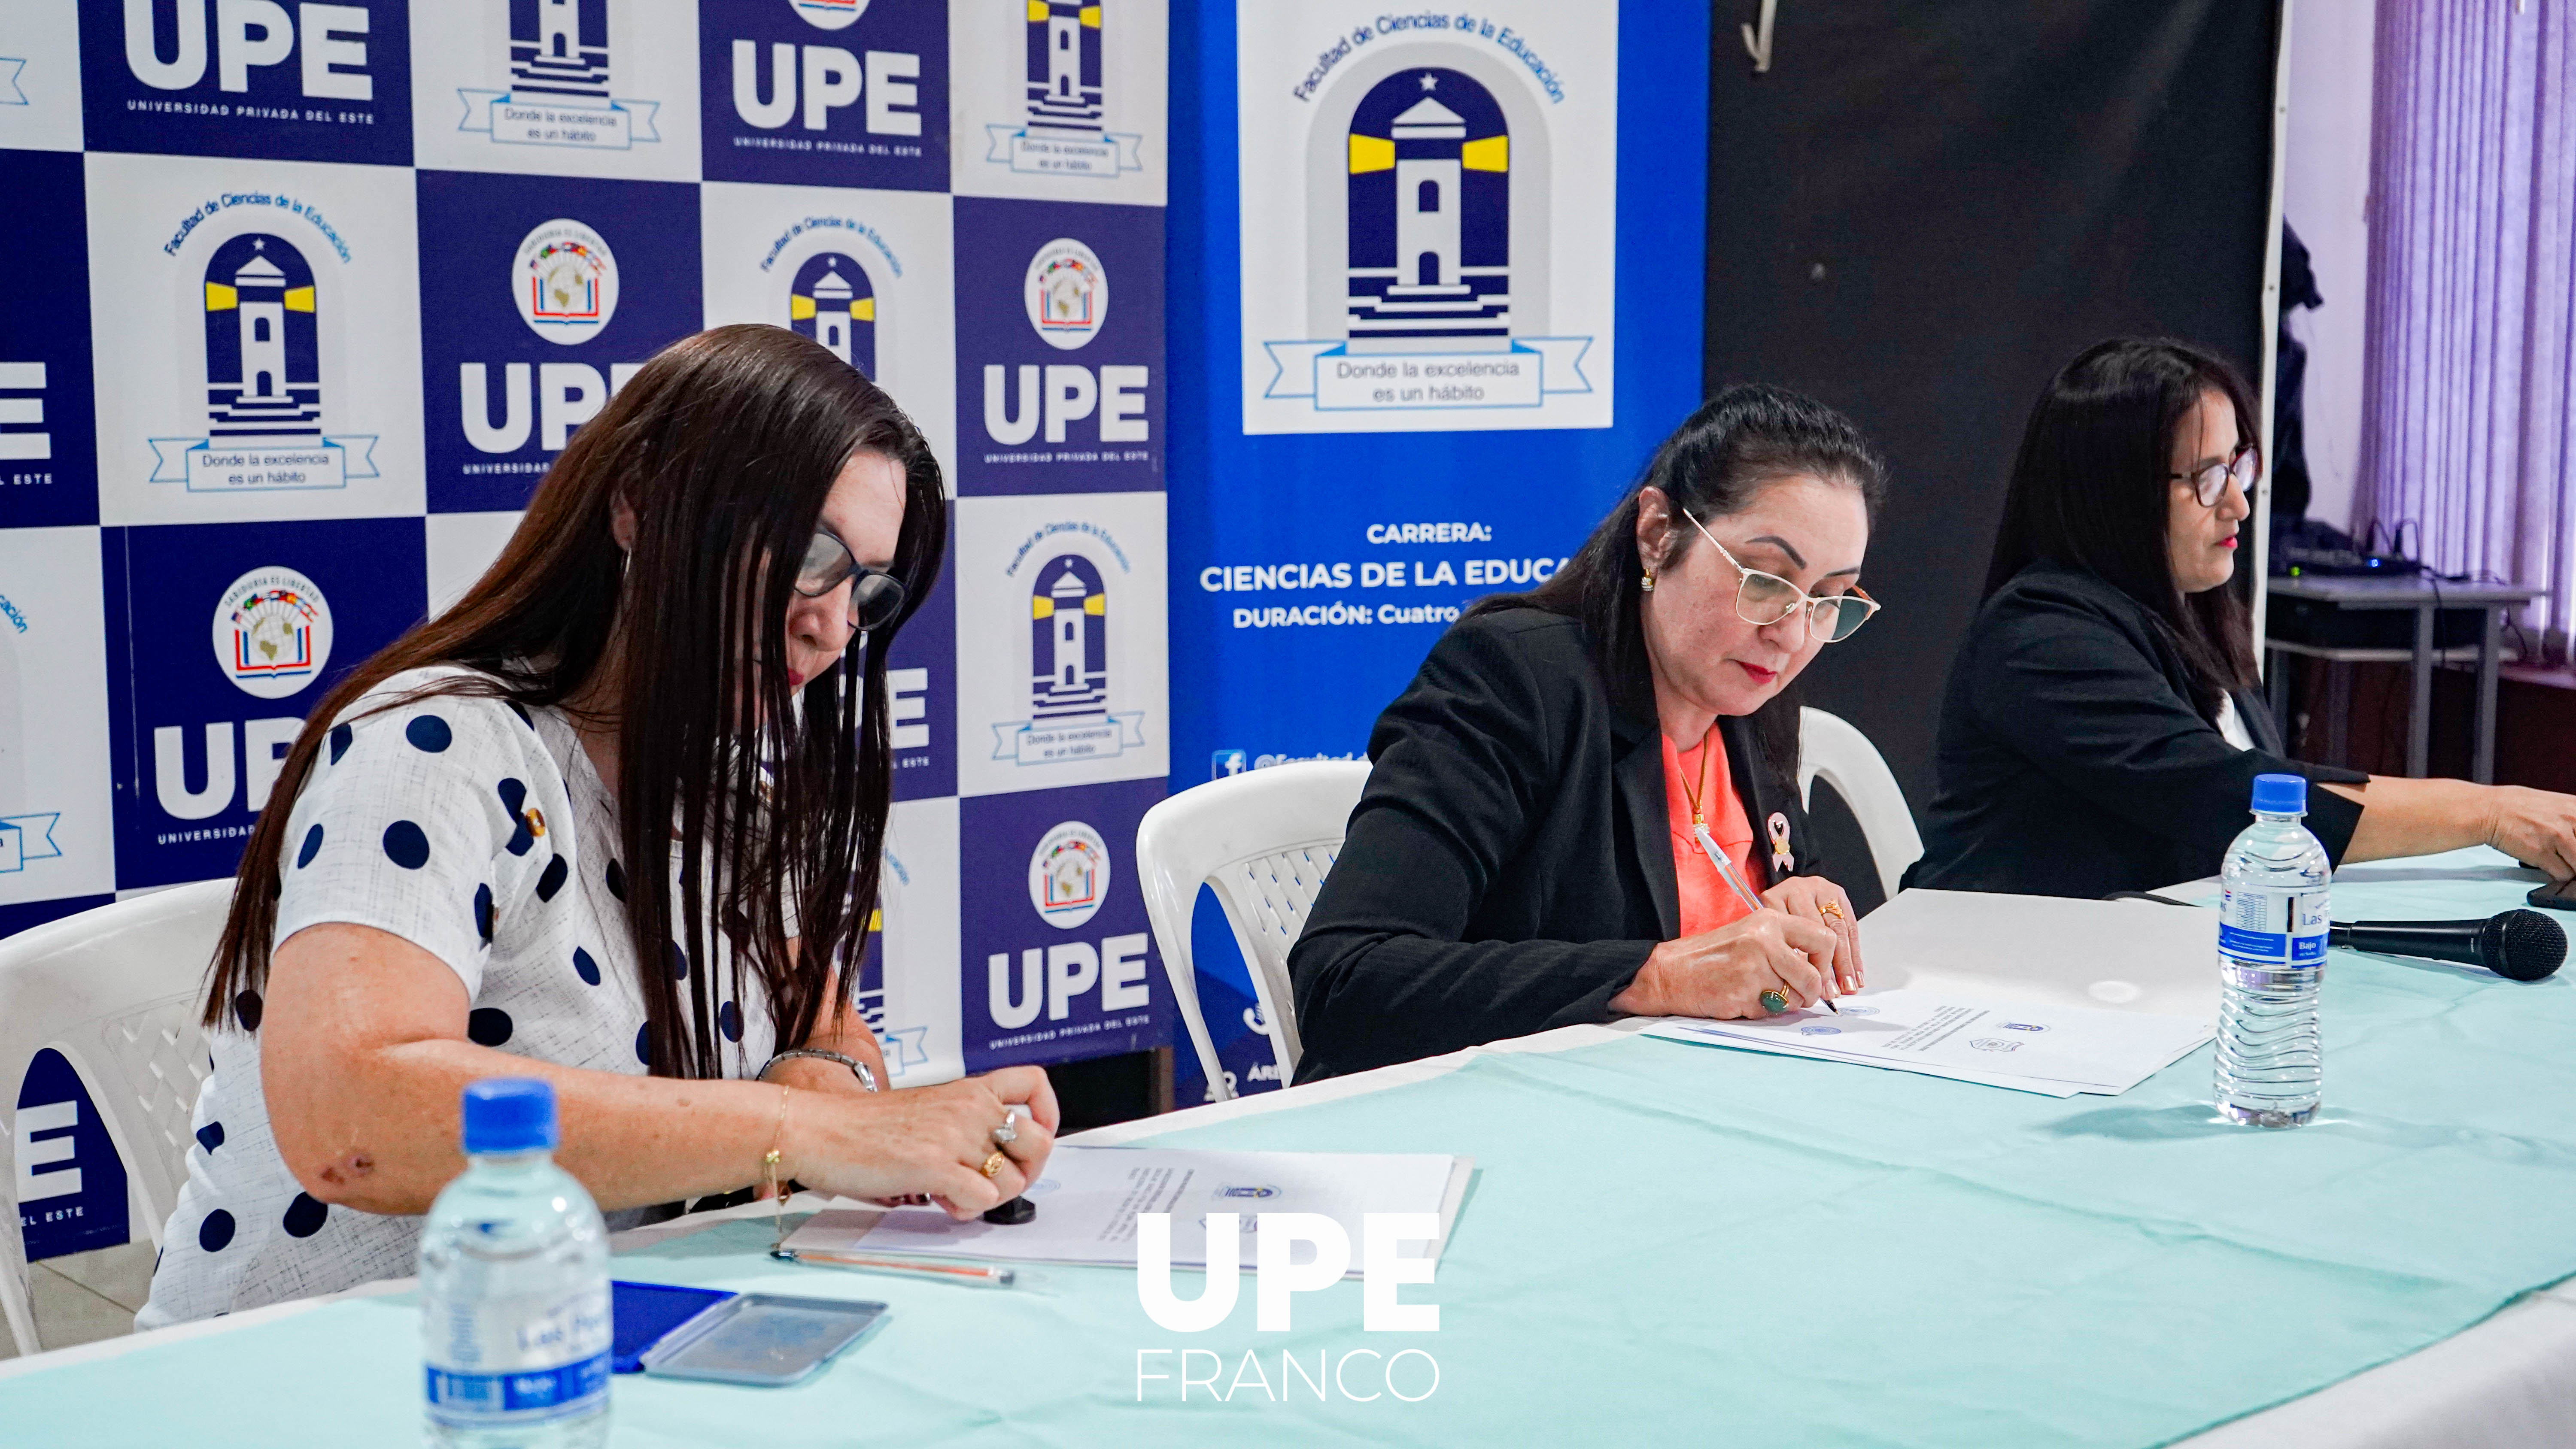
(1726, 872)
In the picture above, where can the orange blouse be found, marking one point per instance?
(1707, 901)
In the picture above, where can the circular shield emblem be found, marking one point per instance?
(564, 282)
(1069, 875)
(1067, 293)
(829, 14)
(272, 632)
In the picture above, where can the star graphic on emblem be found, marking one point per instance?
(1430, 82)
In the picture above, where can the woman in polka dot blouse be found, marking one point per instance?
(613, 820)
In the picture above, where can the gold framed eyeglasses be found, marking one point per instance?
(1762, 598)
(2210, 483)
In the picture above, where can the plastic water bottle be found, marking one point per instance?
(514, 1308)
(2271, 960)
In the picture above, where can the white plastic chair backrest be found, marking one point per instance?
(1265, 840)
(1829, 746)
(116, 991)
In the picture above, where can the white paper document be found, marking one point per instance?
(1089, 1199)
(2056, 1050)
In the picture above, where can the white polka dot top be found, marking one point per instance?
(478, 831)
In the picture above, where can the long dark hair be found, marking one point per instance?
(1716, 463)
(725, 447)
(2090, 491)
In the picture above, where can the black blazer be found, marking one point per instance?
(2072, 761)
(1510, 865)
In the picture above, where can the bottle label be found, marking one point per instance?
(2278, 927)
(507, 1361)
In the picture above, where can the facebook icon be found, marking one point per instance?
(1227, 762)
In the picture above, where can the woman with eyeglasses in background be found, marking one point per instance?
(612, 820)
(2102, 730)
(1586, 805)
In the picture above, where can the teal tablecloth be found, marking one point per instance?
(1686, 1244)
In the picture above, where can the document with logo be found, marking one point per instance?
(2056, 1050)
(1090, 1197)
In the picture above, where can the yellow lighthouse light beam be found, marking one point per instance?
(1371, 153)
(1494, 153)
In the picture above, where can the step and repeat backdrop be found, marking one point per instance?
(305, 298)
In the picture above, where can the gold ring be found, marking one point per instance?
(1830, 911)
(993, 1165)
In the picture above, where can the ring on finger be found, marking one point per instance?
(1774, 1002)
(1830, 910)
(1009, 1131)
(993, 1165)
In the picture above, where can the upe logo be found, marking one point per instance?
(1280, 1275)
(1430, 195)
(829, 77)
(1069, 717)
(1064, 67)
(1425, 266)
(1064, 133)
(829, 14)
(559, 81)
(1067, 293)
(553, 57)
(272, 632)
(263, 380)
(1383, 1270)
(1069, 640)
(832, 302)
(1069, 875)
(263, 363)
(252, 34)
(564, 282)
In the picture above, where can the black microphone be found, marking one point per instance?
(2523, 945)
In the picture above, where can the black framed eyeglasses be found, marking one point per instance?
(1762, 598)
(2210, 484)
(876, 596)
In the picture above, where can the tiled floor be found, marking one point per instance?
(84, 1297)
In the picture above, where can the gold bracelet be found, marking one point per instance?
(769, 1165)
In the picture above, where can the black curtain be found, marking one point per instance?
(1923, 209)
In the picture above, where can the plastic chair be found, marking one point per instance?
(116, 991)
(1830, 747)
(1265, 840)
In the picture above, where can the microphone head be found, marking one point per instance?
(2522, 944)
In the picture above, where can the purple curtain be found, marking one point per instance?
(2469, 420)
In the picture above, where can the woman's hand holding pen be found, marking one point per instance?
(1723, 973)
(1817, 899)
(934, 1141)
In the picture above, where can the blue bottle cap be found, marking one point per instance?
(510, 1114)
(2280, 795)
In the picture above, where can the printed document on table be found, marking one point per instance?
(2057, 1050)
(1089, 1198)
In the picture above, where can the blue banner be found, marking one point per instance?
(1312, 569)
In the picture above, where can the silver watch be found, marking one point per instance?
(858, 1069)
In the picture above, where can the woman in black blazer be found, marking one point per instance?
(1513, 864)
(2101, 731)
